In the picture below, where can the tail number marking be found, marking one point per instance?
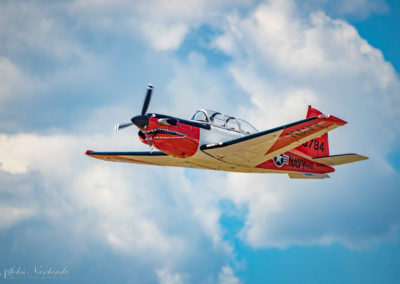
(317, 146)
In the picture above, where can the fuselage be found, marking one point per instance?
(183, 138)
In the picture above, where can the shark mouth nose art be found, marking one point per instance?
(161, 133)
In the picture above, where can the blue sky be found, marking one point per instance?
(70, 70)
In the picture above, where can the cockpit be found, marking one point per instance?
(223, 121)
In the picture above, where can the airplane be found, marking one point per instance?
(213, 141)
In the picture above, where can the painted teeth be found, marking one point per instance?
(155, 138)
(165, 131)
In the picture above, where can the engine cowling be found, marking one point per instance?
(176, 139)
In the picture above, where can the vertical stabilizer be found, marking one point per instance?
(317, 147)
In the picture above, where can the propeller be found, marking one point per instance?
(123, 125)
(142, 120)
(147, 99)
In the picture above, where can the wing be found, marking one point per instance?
(253, 149)
(149, 158)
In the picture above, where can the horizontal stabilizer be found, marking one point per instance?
(339, 159)
(308, 175)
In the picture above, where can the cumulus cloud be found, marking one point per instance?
(227, 276)
(164, 24)
(360, 9)
(166, 277)
(285, 61)
(280, 60)
(114, 206)
(316, 59)
(343, 210)
(196, 84)
(11, 215)
(36, 29)
(11, 79)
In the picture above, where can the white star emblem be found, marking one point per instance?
(280, 160)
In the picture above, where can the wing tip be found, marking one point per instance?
(336, 120)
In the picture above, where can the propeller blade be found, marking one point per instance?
(147, 99)
(123, 125)
(141, 121)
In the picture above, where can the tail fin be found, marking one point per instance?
(317, 147)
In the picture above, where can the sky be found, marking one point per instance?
(70, 70)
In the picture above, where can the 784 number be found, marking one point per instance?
(315, 144)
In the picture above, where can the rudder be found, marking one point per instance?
(317, 147)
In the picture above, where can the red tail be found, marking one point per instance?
(318, 147)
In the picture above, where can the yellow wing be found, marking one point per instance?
(146, 157)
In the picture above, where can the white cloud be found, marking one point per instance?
(344, 210)
(285, 61)
(339, 8)
(120, 206)
(28, 26)
(164, 24)
(10, 77)
(227, 276)
(14, 82)
(196, 85)
(164, 37)
(312, 60)
(282, 59)
(166, 277)
(10, 215)
(362, 7)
